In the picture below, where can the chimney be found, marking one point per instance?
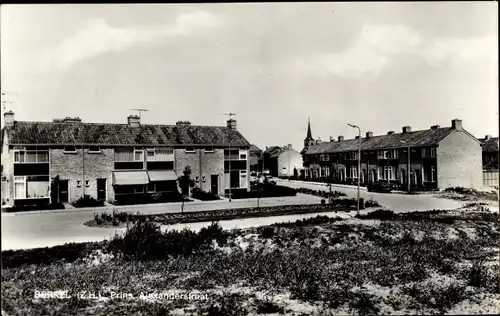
(331, 138)
(133, 121)
(406, 129)
(369, 134)
(487, 137)
(318, 141)
(341, 138)
(289, 146)
(435, 126)
(231, 124)
(390, 132)
(8, 118)
(456, 124)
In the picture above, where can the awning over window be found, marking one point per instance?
(130, 177)
(165, 175)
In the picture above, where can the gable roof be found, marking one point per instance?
(51, 133)
(417, 138)
(283, 150)
(254, 148)
(272, 150)
(489, 145)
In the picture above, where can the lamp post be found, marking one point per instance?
(359, 156)
(409, 165)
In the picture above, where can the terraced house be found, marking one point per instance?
(490, 160)
(438, 158)
(116, 161)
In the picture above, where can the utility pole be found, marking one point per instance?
(359, 155)
(230, 137)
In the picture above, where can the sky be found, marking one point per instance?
(378, 65)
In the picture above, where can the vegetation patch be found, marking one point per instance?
(406, 265)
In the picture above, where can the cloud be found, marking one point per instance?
(99, 38)
(367, 55)
(457, 50)
(376, 47)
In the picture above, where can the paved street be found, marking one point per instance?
(47, 229)
(398, 202)
(33, 230)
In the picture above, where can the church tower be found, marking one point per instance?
(309, 140)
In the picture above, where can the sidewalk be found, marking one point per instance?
(196, 205)
(345, 186)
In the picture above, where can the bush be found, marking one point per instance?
(267, 232)
(143, 241)
(197, 193)
(35, 207)
(378, 214)
(365, 304)
(323, 201)
(372, 203)
(87, 201)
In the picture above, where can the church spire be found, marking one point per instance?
(309, 134)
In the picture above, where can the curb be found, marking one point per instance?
(326, 184)
(223, 201)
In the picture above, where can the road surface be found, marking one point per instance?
(397, 202)
(32, 230)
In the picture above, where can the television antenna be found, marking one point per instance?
(140, 110)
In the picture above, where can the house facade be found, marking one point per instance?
(284, 161)
(116, 161)
(490, 161)
(437, 158)
(255, 156)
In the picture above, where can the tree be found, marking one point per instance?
(54, 190)
(185, 183)
(295, 173)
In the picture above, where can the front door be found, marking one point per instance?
(101, 189)
(214, 184)
(63, 191)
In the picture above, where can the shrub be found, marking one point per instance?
(323, 202)
(378, 214)
(365, 304)
(34, 207)
(87, 201)
(142, 241)
(197, 193)
(371, 203)
(267, 306)
(267, 232)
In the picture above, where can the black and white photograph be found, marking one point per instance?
(250, 158)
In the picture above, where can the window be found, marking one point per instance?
(433, 152)
(87, 183)
(123, 154)
(353, 172)
(94, 150)
(33, 188)
(69, 149)
(31, 156)
(388, 154)
(243, 154)
(386, 173)
(189, 150)
(138, 155)
(151, 155)
(209, 149)
(352, 156)
(139, 188)
(78, 183)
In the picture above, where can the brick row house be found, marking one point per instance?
(490, 160)
(437, 158)
(117, 161)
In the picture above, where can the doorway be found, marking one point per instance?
(101, 189)
(63, 191)
(214, 184)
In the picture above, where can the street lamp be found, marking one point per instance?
(409, 165)
(359, 156)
